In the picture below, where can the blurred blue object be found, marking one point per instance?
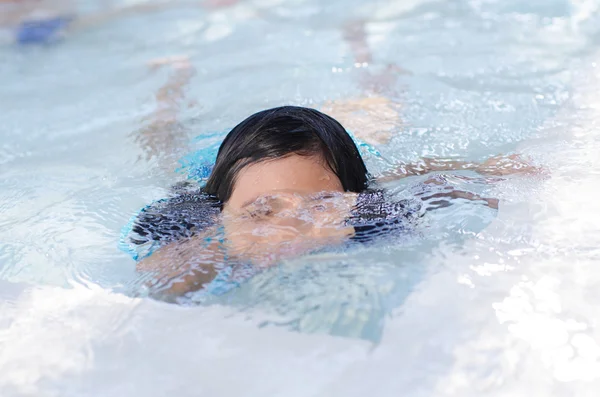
(42, 31)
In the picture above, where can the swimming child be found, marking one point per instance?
(287, 181)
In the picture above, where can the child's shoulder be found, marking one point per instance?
(378, 211)
(184, 213)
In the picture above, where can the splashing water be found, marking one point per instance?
(474, 302)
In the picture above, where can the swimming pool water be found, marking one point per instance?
(477, 303)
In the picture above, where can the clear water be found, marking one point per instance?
(476, 304)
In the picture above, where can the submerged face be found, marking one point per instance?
(284, 207)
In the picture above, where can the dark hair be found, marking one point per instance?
(281, 131)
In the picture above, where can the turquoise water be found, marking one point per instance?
(474, 303)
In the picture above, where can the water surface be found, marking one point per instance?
(476, 304)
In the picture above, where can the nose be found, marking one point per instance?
(292, 219)
(292, 222)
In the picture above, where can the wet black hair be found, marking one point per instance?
(281, 131)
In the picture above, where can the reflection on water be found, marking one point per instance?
(471, 303)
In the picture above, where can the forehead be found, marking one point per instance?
(291, 174)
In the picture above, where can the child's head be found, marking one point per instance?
(281, 175)
(286, 149)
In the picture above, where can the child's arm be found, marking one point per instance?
(496, 166)
(182, 266)
(441, 199)
(163, 134)
(170, 95)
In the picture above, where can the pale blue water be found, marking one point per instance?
(474, 303)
